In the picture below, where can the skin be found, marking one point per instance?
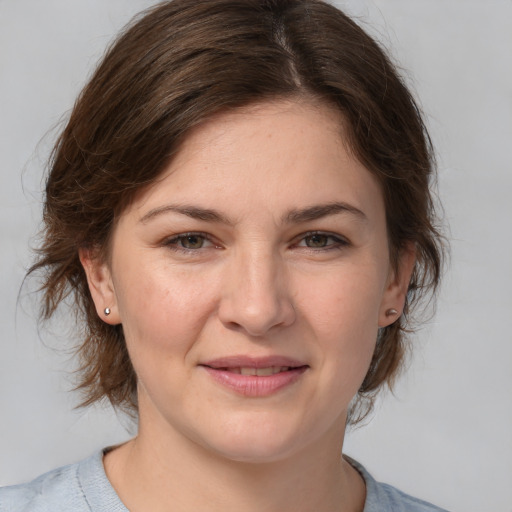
(263, 275)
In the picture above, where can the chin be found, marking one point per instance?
(258, 442)
(251, 452)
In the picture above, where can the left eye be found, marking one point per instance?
(321, 241)
(189, 241)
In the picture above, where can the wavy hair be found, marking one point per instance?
(175, 66)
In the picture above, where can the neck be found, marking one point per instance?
(173, 473)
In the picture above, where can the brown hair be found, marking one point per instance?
(177, 65)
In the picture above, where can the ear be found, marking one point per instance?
(101, 286)
(395, 294)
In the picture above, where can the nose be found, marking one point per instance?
(256, 297)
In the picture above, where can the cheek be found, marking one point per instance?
(343, 313)
(161, 310)
(344, 300)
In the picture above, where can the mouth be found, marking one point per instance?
(255, 377)
(259, 372)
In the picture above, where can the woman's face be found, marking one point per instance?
(250, 281)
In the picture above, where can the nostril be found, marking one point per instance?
(259, 324)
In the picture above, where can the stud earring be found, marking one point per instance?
(391, 312)
(106, 311)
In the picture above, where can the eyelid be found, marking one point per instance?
(172, 242)
(339, 240)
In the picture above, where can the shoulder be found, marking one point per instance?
(81, 487)
(399, 501)
(56, 490)
(386, 498)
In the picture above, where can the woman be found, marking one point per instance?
(239, 207)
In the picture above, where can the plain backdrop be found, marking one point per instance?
(445, 435)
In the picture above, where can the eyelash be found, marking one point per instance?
(173, 243)
(336, 242)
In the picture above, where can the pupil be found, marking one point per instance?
(317, 241)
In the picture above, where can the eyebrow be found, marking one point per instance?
(193, 212)
(295, 216)
(315, 212)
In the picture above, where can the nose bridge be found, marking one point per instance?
(259, 275)
(257, 297)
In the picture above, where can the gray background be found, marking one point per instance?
(446, 434)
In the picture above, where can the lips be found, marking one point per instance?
(255, 377)
(260, 372)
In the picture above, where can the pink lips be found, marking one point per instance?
(255, 377)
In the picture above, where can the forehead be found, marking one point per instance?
(274, 156)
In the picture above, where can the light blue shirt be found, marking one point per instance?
(84, 487)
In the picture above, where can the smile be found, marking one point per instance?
(255, 377)
(260, 372)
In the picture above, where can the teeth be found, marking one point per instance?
(260, 372)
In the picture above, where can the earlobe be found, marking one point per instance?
(101, 286)
(393, 301)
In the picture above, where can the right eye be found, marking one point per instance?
(188, 242)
